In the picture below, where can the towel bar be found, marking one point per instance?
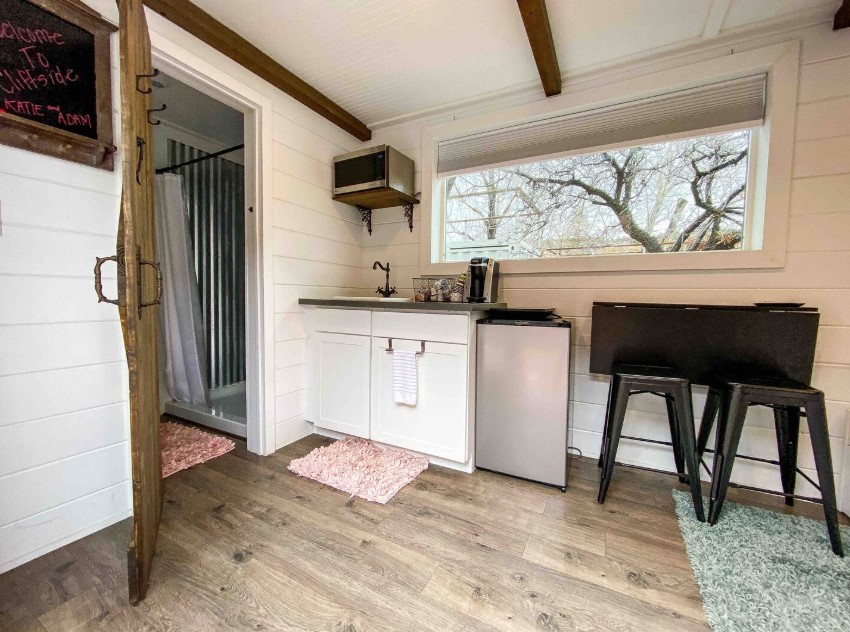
(389, 349)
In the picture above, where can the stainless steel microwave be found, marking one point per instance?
(377, 167)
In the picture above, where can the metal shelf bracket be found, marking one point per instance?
(408, 213)
(366, 216)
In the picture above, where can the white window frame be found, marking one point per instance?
(769, 184)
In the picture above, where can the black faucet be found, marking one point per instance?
(387, 291)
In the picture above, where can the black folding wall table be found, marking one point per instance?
(703, 342)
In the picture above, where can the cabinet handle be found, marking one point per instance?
(389, 349)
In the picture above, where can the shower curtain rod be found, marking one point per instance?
(201, 159)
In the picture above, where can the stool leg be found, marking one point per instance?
(611, 389)
(727, 446)
(675, 439)
(615, 429)
(712, 404)
(819, 433)
(787, 421)
(685, 417)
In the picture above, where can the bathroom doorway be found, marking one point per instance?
(200, 200)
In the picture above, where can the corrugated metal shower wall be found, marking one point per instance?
(215, 197)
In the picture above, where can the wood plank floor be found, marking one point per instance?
(245, 545)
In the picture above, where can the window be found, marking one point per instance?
(683, 195)
(743, 105)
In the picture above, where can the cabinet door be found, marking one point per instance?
(437, 425)
(339, 383)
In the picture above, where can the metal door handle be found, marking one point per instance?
(118, 258)
(98, 285)
(155, 266)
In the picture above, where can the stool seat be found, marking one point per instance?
(766, 382)
(789, 399)
(676, 390)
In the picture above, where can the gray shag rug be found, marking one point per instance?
(763, 571)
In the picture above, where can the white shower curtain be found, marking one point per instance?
(181, 320)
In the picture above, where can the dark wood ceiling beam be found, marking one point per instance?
(842, 17)
(206, 28)
(536, 21)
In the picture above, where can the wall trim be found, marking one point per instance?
(257, 108)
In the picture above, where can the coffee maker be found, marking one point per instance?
(483, 281)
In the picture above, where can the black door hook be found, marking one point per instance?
(139, 88)
(162, 109)
(140, 144)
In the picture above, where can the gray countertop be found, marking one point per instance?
(410, 306)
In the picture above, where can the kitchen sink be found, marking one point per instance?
(377, 299)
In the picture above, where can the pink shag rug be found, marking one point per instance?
(184, 446)
(361, 468)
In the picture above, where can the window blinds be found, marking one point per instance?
(733, 102)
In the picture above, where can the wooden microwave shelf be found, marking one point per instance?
(384, 197)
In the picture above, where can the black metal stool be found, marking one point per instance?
(630, 380)
(787, 398)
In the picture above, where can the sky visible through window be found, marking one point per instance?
(679, 196)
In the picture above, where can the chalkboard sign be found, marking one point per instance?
(52, 59)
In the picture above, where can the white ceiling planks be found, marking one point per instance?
(384, 60)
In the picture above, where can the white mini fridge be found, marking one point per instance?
(522, 394)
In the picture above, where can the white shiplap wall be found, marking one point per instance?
(316, 252)
(816, 272)
(64, 457)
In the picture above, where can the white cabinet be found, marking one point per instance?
(350, 379)
(437, 425)
(338, 382)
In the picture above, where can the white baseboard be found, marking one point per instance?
(292, 430)
(8, 565)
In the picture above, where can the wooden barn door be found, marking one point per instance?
(140, 292)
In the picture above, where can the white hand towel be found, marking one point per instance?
(405, 378)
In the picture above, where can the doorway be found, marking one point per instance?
(200, 199)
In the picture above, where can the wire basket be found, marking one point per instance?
(446, 289)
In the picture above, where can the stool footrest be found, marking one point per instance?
(646, 469)
(811, 499)
(761, 460)
(642, 439)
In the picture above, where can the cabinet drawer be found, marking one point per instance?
(437, 327)
(343, 321)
